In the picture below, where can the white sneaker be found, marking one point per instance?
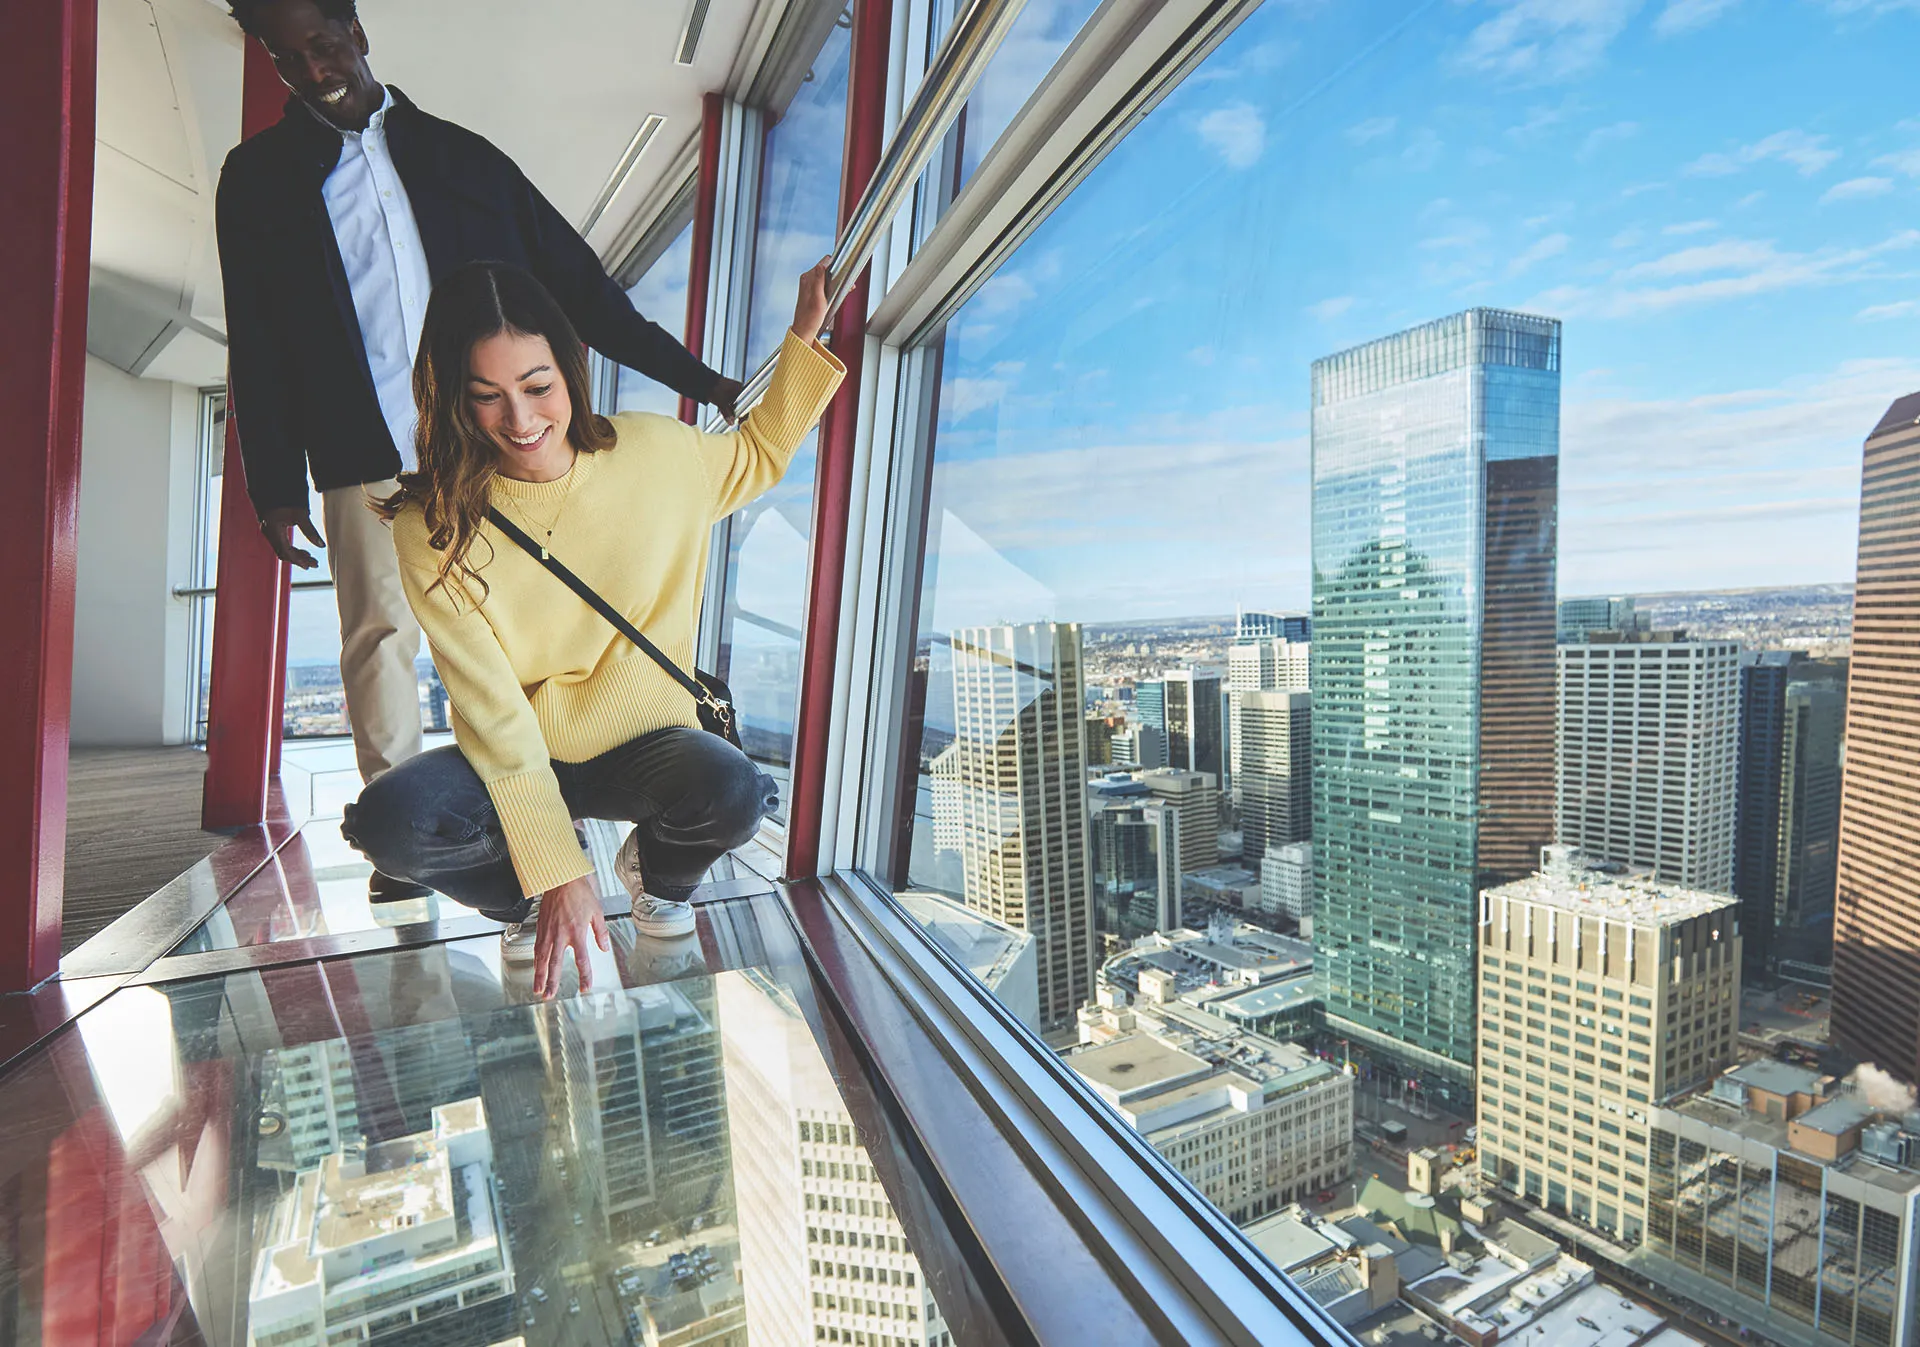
(654, 916)
(517, 941)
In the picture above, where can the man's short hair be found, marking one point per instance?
(244, 11)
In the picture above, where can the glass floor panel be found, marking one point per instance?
(317, 885)
(403, 1147)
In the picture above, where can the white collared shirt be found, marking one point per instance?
(386, 268)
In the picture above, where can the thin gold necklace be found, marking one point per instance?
(547, 528)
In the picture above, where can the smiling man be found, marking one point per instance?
(333, 225)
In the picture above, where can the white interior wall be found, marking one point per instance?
(137, 464)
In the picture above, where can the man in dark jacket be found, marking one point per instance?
(333, 224)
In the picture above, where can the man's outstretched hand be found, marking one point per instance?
(726, 397)
(277, 527)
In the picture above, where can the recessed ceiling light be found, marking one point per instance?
(623, 170)
(690, 35)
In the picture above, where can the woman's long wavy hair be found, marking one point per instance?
(458, 460)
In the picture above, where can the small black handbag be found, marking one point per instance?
(714, 700)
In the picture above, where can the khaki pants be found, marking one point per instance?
(379, 639)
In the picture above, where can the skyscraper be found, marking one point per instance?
(1810, 824)
(1643, 981)
(1150, 704)
(1648, 740)
(825, 1250)
(1580, 616)
(1756, 809)
(1876, 932)
(1019, 796)
(1260, 664)
(1136, 862)
(1435, 489)
(1281, 626)
(1276, 773)
(1196, 797)
(1787, 814)
(1196, 737)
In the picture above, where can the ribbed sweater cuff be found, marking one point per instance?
(539, 830)
(804, 381)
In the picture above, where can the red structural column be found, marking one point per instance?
(706, 198)
(46, 233)
(245, 697)
(833, 489)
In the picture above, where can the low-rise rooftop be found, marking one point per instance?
(1575, 883)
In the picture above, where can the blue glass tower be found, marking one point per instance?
(1435, 502)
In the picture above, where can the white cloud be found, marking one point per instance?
(1602, 136)
(1879, 312)
(1627, 237)
(1905, 162)
(1236, 132)
(1371, 129)
(1687, 16)
(1328, 309)
(1550, 246)
(1726, 255)
(1423, 150)
(1543, 41)
(1808, 153)
(1690, 227)
(1729, 269)
(1696, 492)
(1855, 189)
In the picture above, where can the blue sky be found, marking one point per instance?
(1715, 196)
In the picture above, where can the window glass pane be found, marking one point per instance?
(1247, 521)
(661, 295)
(799, 193)
(764, 600)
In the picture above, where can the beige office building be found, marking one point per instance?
(1600, 995)
(1016, 800)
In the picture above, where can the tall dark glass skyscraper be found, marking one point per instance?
(1435, 501)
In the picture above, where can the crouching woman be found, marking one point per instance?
(556, 715)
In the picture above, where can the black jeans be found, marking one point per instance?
(692, 795)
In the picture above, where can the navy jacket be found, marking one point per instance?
(300, 389)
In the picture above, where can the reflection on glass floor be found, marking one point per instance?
(317, 884)
(402, 1148)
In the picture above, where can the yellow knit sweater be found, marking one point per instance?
(532, 672)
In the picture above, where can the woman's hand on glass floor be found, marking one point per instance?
(570, 919)
(810, 310)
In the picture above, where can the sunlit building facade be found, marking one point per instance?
(1019, 806)
(1435, 489)
(1648, 743)
(1876, 929)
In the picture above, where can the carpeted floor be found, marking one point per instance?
(133, 824)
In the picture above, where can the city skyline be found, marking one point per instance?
(1729, 267)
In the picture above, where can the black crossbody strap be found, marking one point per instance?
(601, 606)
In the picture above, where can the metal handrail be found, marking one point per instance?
(970, 44)
(207, 591)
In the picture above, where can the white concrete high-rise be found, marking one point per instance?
(823, 1254)
(1019, 796)
(1259, 664)
(1275, 776)
(1286, 880)
(1648, 740)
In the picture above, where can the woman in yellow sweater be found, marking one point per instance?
(556, 716)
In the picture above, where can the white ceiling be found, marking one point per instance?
(561, 87)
